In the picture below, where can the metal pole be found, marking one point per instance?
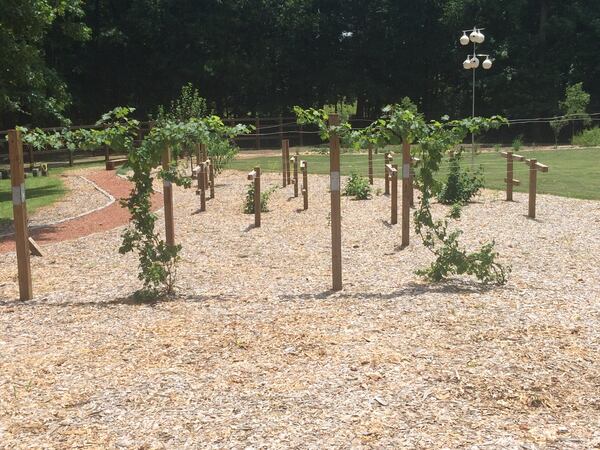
(473, 109)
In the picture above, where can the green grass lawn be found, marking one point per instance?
(572, 173)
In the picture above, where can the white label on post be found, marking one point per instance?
(335, 181)
(167, 183)
(18, 194)
(406, 171)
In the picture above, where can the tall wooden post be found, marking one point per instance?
(532, 187)
(202, 185)
(280, 130)
(393, 170)
(295, 181)
(284, 145)
(370, 164)
(406, 163)
(254, 176)
(257, 133)
(336, 207)
(17, 175)
(304, 167)
(168, 200)
(211, 177)
(257, 205)
(387, 159)
(287, 162)
(534, 166)
(510, 180)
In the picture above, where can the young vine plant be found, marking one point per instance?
(117, 130)
(434, 139)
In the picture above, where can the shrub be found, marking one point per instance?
(517, 143)
(588, 138)
(221, 152)
(264, 199)
(358, 187)
(461, 185)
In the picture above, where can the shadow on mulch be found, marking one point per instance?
(409, 290)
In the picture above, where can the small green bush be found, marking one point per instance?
(588, 138)
(264, 199)
(358, 187)
(461, 185)
(517, 143)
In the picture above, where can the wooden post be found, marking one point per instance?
(336, 207)
(392, 170)
(168, 200)
(280, 129)
(287, 162)
(387, 159)
(510, 180)
(284, 144)
(295, 180)
(534, 166)
(370, 164)
(257, 133)
(406, 162)
(17, 176)
(255, 177)
(71, 158)
(211, 176)
(202, 185)
(304, 167)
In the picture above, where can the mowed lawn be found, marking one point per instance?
(573, 173)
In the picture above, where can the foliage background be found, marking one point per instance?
(263, 56)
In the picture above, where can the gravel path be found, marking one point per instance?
(256, 352)
(90, 209)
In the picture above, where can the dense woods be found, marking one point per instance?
(77, 59)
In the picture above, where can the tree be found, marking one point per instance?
(30, 88)
(575, 104)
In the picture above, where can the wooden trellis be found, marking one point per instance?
(392, 171)
(510, 180)
(254, 176)
(387, 159)
(370, 150)
(294, 160)
(534, 167)
(285, 162)
(304, 168)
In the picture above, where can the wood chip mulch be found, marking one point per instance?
(256, 352)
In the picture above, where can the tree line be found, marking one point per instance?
(76, 59)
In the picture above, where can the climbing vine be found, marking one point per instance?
(118, 130)
(403, 123)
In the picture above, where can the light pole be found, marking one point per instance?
(472, 63)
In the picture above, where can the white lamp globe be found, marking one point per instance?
(464, 39)
(474, 62)
(480, 37)
(487, 64)
(474, 35)
(467, 63)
